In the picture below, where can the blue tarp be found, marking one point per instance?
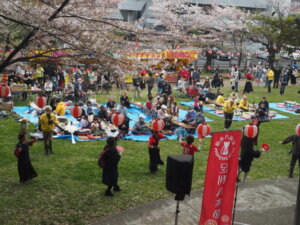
(275, 106)
(235, 118)
(133, 114)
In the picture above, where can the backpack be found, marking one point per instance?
(101, 162)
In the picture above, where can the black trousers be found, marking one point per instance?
(149, 90)
(282, 87)
(228, 120)
(294, 159)
(155, 159)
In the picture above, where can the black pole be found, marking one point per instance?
(235, 200)
(297, 210)
(177, 213)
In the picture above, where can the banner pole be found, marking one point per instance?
(235, 200)
(297, 214)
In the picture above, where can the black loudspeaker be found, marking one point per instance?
(179, 175)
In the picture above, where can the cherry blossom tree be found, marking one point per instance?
(31, 29)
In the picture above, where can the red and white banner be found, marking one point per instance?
(220, 179)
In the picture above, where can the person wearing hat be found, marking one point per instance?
(140, 127)
(161, 113)
(229, 107)
(190, 116)
(47, 121)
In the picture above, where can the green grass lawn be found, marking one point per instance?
(68, 188)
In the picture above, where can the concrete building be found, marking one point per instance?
(132, 10)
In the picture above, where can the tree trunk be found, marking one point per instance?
(271, 58)
(208, 63)
(17, 49)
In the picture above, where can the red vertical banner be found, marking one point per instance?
(220, 179)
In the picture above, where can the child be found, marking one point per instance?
(188, 147)
(154, 151)
(25, 169)
(96, 127)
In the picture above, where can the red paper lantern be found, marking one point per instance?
(158, 125)
(76, 111)
(219, 52)
(117, 118)
(238, 54)
(298, 129)
(266, 50)
(228, 53)
(177, 47)
(256, 53)
(250, 131)
(40, 101)
(247, 54)
(203, 130)
(210, 52)
(4, 91)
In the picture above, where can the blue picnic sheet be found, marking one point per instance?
(133, 114)
(275, 106)
(235, 118)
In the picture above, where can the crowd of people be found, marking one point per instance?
(61, 87)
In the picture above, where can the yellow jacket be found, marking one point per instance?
(270, 74)
(228, 107)
(244, 105)
(220, 100)
(43, 121)
(60, 109)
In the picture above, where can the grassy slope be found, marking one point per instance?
(68, 189)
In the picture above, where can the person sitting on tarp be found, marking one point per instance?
(96, 129)
(111, 104)
(198, 103)
(84, 122)
(262, 113)
(220, 100)
(243, 104)
(161, 113)
(210, 96)
(264, 104)
(247, 155)
(125, 100)
(89, 108)
(169, 127)
(103, 115)
(190, 116)
(140, 127)
(60, 107)
(199, 119)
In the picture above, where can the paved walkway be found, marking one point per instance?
(259, 203)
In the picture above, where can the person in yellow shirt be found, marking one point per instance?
(229, 107)
(60, 107)
(47, 121)
(243, 104)
(270, 78)
(220, 100)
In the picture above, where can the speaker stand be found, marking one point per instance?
(177, 213)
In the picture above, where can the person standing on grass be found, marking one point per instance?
(284, 82)
(136, 82)
(188, 147)
(295, 151)
(25, 169)
(110, 174)
(154, 151)
(229, 107)
(270, 78)
(47, 121)
(150, 83)
(247, 155)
